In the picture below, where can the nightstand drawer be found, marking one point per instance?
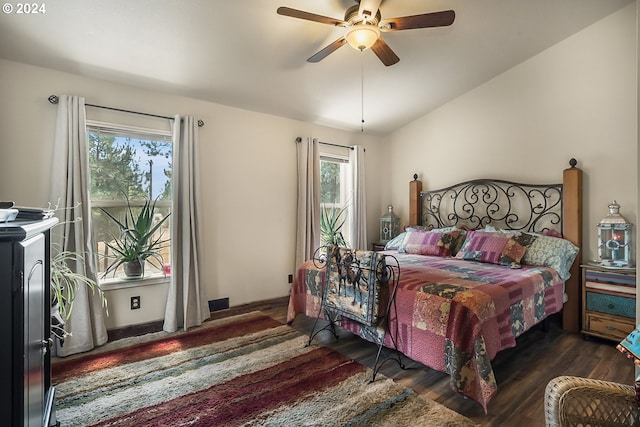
(611, 304)
(608, 327)
(610, 277)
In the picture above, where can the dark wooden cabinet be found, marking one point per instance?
(26, 394)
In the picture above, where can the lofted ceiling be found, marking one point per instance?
(242, 54)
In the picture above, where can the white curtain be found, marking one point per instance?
(308, 217)
(358, 211)
(70, 192)
(187, 303)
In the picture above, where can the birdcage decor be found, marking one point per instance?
(389, 226)
(614, 239)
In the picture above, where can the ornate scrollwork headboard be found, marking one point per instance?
(502, 204)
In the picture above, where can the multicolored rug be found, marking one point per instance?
(237, 371)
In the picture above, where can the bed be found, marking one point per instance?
(481, 262)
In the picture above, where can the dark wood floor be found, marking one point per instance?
(522, 373)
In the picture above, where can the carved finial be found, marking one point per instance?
(573, 162)
(415, 176)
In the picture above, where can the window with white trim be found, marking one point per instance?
(128, 163)
(335, 191)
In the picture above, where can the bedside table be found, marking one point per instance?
(608, 301)
(377, 246)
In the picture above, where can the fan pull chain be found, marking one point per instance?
(362, 91)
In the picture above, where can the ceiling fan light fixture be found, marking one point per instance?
(362, 36)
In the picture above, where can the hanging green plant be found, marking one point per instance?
(65, 282)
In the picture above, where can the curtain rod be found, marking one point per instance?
(54, 100)
(299, 139)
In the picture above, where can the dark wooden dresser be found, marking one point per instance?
(26, 393)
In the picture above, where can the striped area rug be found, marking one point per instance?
(242, 370)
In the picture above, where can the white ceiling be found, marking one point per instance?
(241, 53)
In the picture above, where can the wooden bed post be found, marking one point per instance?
(415, 187)
(572, 231)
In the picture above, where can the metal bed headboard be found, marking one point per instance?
(502, 204)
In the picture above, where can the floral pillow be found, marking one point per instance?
(553, 252)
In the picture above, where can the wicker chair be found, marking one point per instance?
(574, 401)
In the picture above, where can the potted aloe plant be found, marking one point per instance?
(140, 240)
(331, 221)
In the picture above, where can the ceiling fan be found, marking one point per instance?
(364, 25)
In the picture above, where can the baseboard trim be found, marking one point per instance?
(156, 326)
(134, 330)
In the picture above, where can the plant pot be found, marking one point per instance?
(133, 268)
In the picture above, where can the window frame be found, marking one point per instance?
(345, 187)
(111, 282)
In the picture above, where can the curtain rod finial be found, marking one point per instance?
(200, 123)
(298, 139)
(53, 99)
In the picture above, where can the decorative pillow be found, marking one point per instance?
(418, 228)
(452, 240)
(484, 246)
(435, 243)
(553, 252)
(429, 228)
(515, 249)
(395, 242)
(551, 233)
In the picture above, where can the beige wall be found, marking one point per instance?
(248, 163)
(576, 99)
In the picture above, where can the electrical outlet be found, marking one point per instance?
(135, 303)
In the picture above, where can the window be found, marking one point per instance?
(335, 194)
(133, 163)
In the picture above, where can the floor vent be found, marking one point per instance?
(218, 304)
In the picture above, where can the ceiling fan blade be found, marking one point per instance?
(369, 8)
(384, 52)
(301, 14)
(425, 20)
(320, 55)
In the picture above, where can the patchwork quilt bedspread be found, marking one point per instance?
(453, 315)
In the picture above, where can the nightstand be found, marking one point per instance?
(377, 246)
(608, 301)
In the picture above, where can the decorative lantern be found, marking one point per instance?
(389, 226)
(614, 239)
